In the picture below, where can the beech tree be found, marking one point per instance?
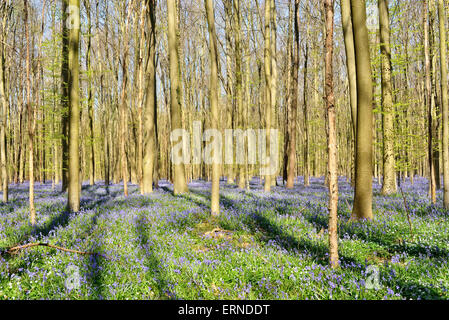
(363, 197)
(74, 185)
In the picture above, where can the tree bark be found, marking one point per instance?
(215, 196)
(180, 185)
(363, 198)
(74, 108)
(150, 126)
(444, 100)
(332, 136)
(389, 172)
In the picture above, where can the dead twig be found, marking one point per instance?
(15, 250)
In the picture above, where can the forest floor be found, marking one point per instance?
(263, 246)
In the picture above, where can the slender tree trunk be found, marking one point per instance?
(215, 196)
(90, 97)
(268, 88)
(291, 161)
(306, 116)
(30, 109)
(150, 147)
(4, 107)
(229, 92)
(332, 136)
(364, 142)
(74, 108)
(444, 100)
(65, 98)
(239, 83)
(428, 100)
(389, 174)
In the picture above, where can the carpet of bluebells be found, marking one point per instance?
(262, 246)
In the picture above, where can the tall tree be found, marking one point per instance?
(332, 135)
(179, 183)
(389, 173)
(268, 85)
(363, 199)
(444, 99)
(215, 196)
(150, 149)
(4, 105)
(239, 81)
(65, 97)
(123, 100)
(291, 159)
(30, 109)
(90, 98)
(350, 59)
(428, 102)
(74, 107)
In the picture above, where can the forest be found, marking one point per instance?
(224, 149)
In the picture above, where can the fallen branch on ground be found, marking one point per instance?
(15, 250)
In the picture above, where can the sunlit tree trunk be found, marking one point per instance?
(90, 97)
(65, 98)
(444, 100)
(74, 108)
(215, 197)
(428, 99)
(363, 199)
(229, 92)
(30, 109)
(389, 172)
(350, 65)
(291, 160)
(268, 85)
(180, 185)
(150, 148)
(4, 106)
(332, 135)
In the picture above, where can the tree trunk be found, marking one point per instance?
(291, 160)
(74, 108)
(332, 136)
(268, 88)
(30, 109)
(363, 198)
(180, 185)
(389, 174)
(428, 102)
(65, 98)
(150, 148)
(215, 196)
(444, 101)
(4, 106)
